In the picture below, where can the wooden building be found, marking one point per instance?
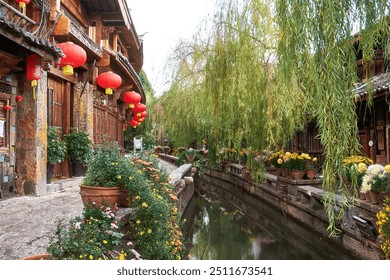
(373, 120)
(106, 32)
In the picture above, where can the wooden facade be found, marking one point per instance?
(373, 121)
(105, 30)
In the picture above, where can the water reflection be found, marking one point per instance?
(231, 225)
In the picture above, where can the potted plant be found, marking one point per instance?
(311, 170)
(79, 149)
(56, 151)
(106, 175)
(376, 183)
(296, 164)
(190, 154)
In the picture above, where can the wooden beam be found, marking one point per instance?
(8, 62)
(58, 73)
(105, 61)
(62, 26)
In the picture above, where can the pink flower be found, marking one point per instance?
(113, 226)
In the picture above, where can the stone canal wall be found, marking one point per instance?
(302, 200)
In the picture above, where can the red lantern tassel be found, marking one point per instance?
(34, 84)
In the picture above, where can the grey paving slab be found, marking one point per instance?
(28, 222)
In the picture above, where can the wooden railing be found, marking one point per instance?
(15, 18)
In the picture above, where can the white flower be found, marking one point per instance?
(113, 226)
(375, 169)
(367, 183)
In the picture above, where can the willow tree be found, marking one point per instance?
(316, 47)
(224, 84)
(267, 65)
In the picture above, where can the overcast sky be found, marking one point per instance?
(166, 22)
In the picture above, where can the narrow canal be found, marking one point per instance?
(230, 224)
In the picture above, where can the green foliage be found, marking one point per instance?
(56, 147)
(92, 236)
(156, 221)
(107, 167)
(79, 146)
(316, 47)
(252, 82)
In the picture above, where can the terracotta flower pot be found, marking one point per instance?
(373, 196)
(37, 257)
(190, 158)
(310, 174)
(100, 195)
(297, 174)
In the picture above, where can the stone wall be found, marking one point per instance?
(31, 144)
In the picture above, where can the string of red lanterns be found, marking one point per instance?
(131, 98)
(139, 114)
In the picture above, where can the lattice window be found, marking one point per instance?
(5, 87)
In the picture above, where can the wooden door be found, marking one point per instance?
(105, 119)
(58, 115)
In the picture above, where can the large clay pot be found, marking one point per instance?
(100, 195)
(37, 257)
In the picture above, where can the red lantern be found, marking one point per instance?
(143, 114)
(131, 98)
(7, 107)
(109, 81)
(18, 98)
(138, 109)
(34, 70)
(22, 3)
(75, 56)
(133, 123)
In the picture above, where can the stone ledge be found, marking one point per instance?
(60, 185)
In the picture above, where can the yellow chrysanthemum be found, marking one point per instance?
(362, 167)
(144, 204)
(105, 242)
(387, 168)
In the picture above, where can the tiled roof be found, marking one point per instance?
(128, 65)
(45, 44)
(376, 83)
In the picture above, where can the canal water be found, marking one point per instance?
(227, 223)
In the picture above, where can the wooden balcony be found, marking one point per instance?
(14, 18)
